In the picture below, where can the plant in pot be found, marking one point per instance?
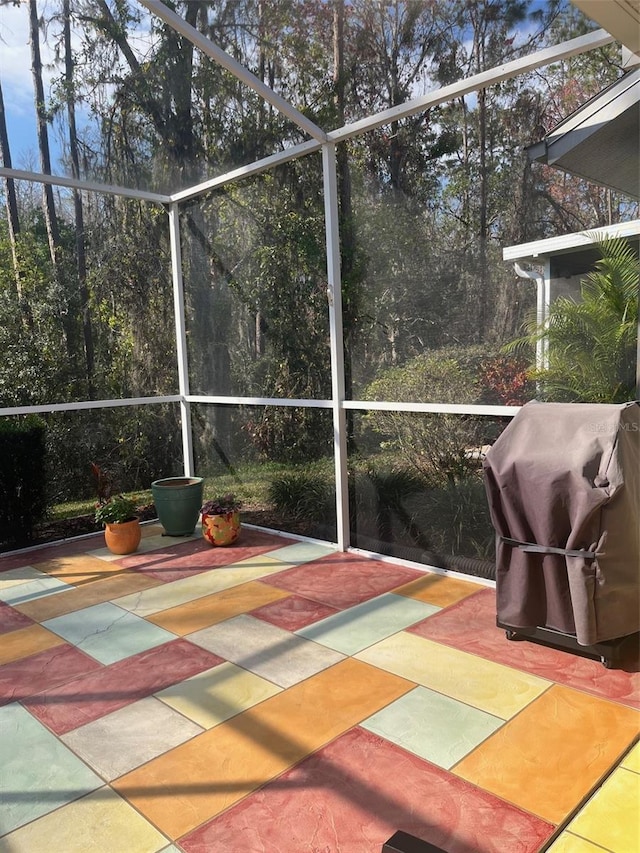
(121, 526)
(221, 519)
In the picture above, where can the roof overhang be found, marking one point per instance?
(573, 253)
(601, 140)
(621, 18)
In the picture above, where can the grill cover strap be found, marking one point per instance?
(532, 548)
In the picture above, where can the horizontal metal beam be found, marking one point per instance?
(258, 401)
(247, 171)
(88, 404)
(600, 38)
(432, 408)
(239, 71)
(79, 184)
(207, 399)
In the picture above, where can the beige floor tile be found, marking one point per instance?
(205, 583)
(214, 696)
(101, 821)
(119, 742)
(210, 609)
(496, 689)
(198, 780)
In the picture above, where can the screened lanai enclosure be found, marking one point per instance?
(262, 243)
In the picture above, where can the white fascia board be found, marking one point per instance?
(221, 57)
(566, 242)
(598, 111)
(619, 17)
(477, 81)
(84, 186)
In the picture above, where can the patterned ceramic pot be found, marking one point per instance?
(221, 529)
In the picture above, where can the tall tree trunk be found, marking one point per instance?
(48, 203)
(81, 258)
(11, 202)
(51, 219)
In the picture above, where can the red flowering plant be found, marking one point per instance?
(222, 505)
(507, 380)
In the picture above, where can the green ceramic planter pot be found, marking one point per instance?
(178, 501)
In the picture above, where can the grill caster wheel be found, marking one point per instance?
(510, 635)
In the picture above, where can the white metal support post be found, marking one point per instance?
(334, 295)
(546, 309)
(181, 338)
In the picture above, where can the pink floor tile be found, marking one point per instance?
(182, 559)
(470, 625)
(342, 580)
(331, 802)
(293, 612)
(60, 549)
(87, 698)
(27, 676)
(11, 620)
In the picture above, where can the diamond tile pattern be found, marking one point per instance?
(280, 696)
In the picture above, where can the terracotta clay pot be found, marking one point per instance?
(123, 538)
(221, 529)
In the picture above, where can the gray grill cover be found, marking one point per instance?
(565, 478)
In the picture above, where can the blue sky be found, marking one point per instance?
(15, 74)
(17, 87)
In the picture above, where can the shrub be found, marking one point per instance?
(23, 486)
(506, 380)
(303, 495)
(435, 445)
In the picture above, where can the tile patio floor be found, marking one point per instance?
(279, 697)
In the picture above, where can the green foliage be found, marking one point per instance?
(425, 205)
(457, 518)
(116, 510)
(435, 445)
(396, 511)
(303, 495)
(22, 478)
(221, 505)
(136, 446)
(593, 342)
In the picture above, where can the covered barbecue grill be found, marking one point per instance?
(563, 484)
